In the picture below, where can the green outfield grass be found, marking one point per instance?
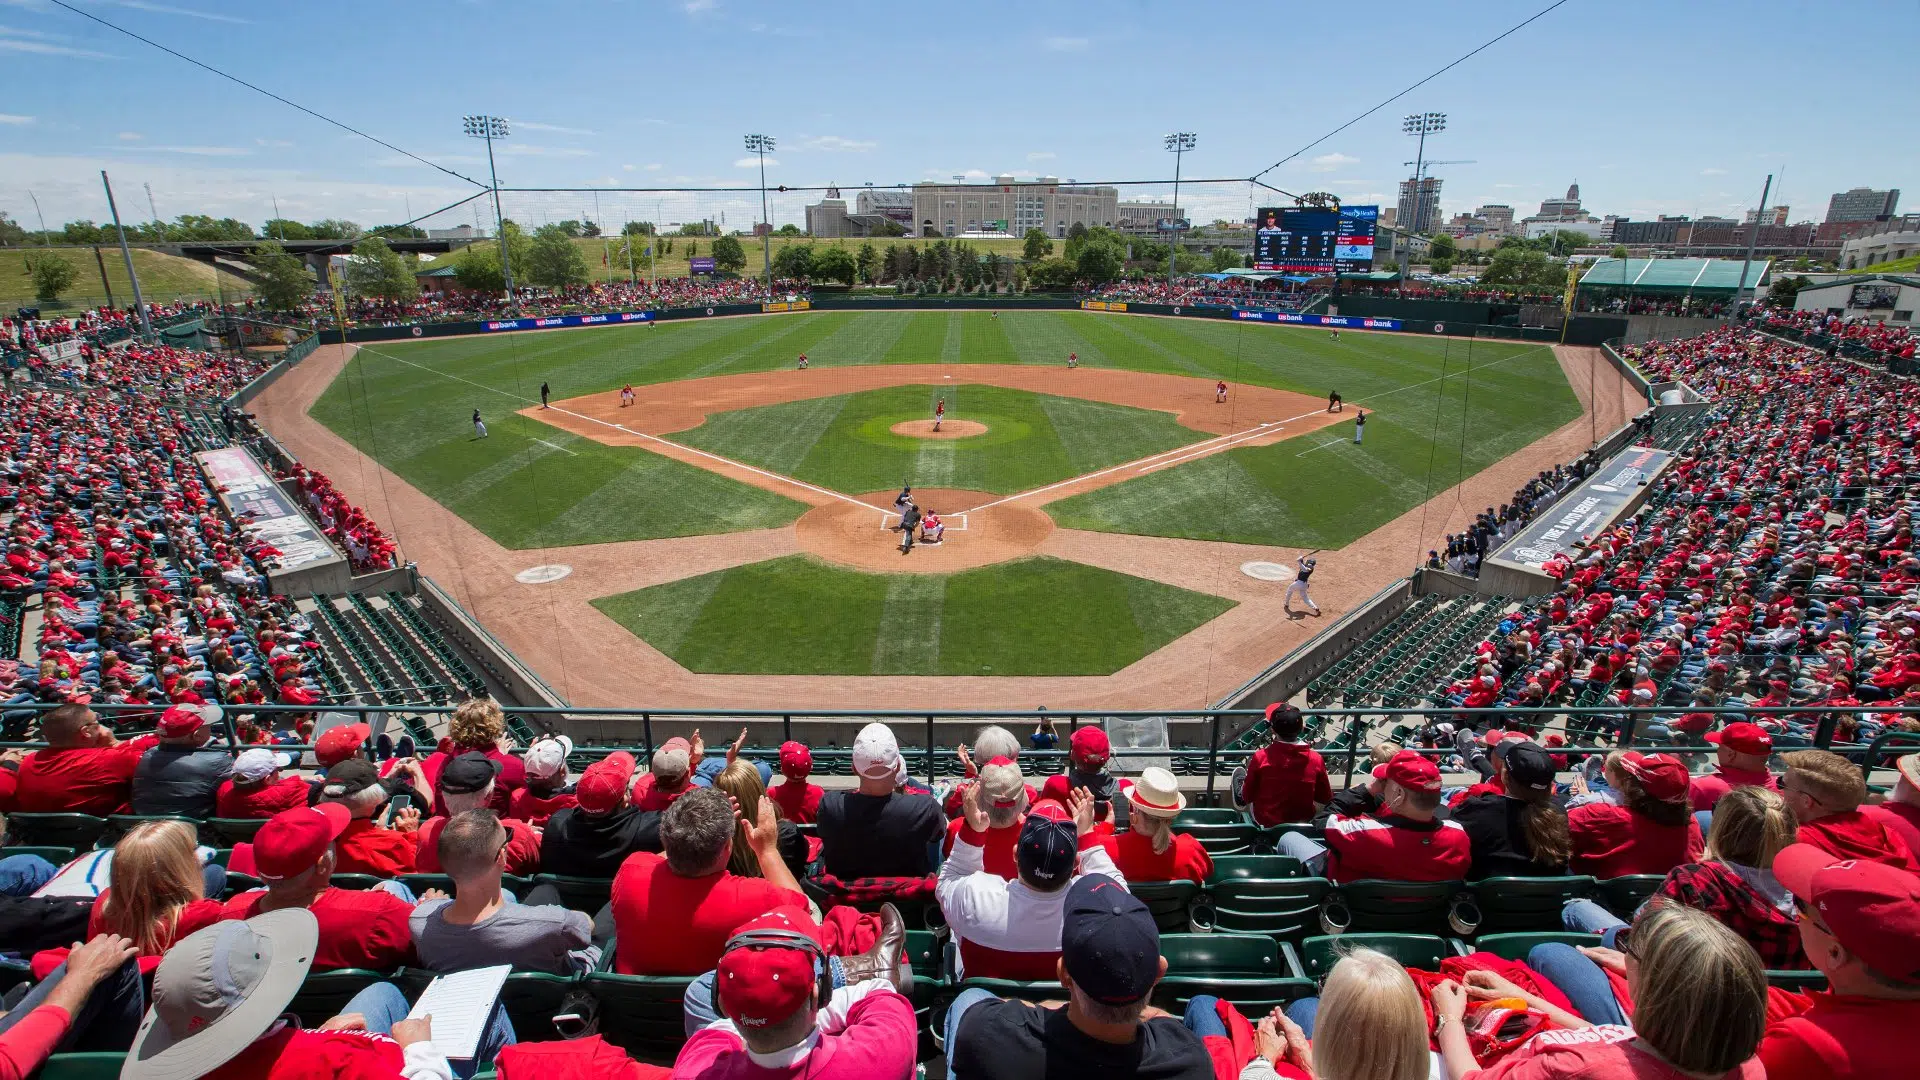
(798, 615)
(163, 279)
(1440, 410)
(844, 442)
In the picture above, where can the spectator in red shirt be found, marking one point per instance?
(1743, 752)
(797, 799)
(293, 853)
(1405, 841)
(672, 915)
(1286, 780)
(1901, 812)
(671, 775)
(1650, 831)
(83, 770)
(366, 848)
(547, 788)
(256, 789)
(479, 726)
(1825, 791)
(1150, 850)
(340, 742)
(157, 894)
(467, 783)
(1860, 926)
(1003, 795)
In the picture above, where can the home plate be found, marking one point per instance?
(540, 575)
(1266, 571)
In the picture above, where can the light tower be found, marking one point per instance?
(1421, 125)
(762, 145)
(491, 128)
(1177, 144)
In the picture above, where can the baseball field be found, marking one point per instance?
(1033, 465)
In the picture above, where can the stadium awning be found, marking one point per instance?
(1375, 275)
(1704, 276)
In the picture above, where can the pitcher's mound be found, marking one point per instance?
(856, 535)
(950, 429)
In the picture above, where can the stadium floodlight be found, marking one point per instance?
(1422, 125)
(1177, 144)
(762, 145)
(481, 126)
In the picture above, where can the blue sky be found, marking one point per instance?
(1653, 107)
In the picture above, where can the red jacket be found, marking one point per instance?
(1395, 848)
(1184, 860)
(1613, 841)
(1856, 835)
(1284, 782)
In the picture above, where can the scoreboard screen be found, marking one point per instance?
(1309, 240)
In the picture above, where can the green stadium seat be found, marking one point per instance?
(1245, 969)
(325, 994)
(119, 825)
(1013, 988)
(420, 883)
(1517, 946)
(1259, 867)
(231, 831)
(94, 1066)
(1206, 815)
(641, 1014)
(1797, 980)
(1233, 838)
(1319, 954)
(1516, 904)
(579, 893)
(1286, 908)
(1169, 901)
(1624, 895)
(1397, 907)
(357, 882)
(77, 831)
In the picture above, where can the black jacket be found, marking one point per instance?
(1355, 801)
(578, 844)
(1500, 847)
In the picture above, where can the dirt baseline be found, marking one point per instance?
(949, 429)
(857, 534)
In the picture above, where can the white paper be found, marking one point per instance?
(461, 1004)
(85, 877)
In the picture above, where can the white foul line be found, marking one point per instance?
(550, 446)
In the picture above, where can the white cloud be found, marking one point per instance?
(1064, 44)
(15, 119)
(401, 161)
(280, 143)
(130, 136)
(163, 9)
(528, 150)
(202, 151)
(1331, 162)
(655, 167)
(16, 39)
(534, 125)
(696, 7)
(1041, 155)
(1713, 172)
(835, 143)
(753, 162)
(626, 168)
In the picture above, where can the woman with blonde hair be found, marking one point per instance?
(157, 890)
(478, 725)
(740, 781)
(1370, 1022)
(1700, 1008)
(1149, 849)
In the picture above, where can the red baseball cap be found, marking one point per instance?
(1663, 775)
(1871, 908)
(796, 761)
(1743, 738)
(292, 841)
(605, 783)
(759, 983)
(183, 720)
(337, 744)
(1090, 744)
(1408, 769)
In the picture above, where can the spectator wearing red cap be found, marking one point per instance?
(778, 1022)
(256, 789)
(1286, 779)
(879, 830)
(673, 914)
(797, 799)
(1860, 926)
(592, 839)
(1150, 850)
(671, 774)
(83, 770)
(340, 742)
(1087, 754)
(182, 775)
(548, 789)
(1825, 791)
(1011, 929)
(1743, 752)
(1901, 812)
(1650, 831)
(1004, 797)
(293, 853)
(467, 783)
(1406, 841)
(365, 847)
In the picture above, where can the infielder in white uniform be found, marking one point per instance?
(1303, 571)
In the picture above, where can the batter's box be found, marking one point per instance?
(954, 522)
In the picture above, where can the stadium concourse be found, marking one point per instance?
(1670, 860)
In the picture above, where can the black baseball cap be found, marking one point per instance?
(1047, 849)
(1528, 763)
(350, 777)
(468, 773)
(1108, 941)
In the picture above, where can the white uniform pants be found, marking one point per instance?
(1299, 588)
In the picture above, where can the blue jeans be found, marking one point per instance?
(1203, 1016)
(383, 1005)
(105, 1024)
(398, 889)
(22, 875)
(1311, 853)
(1705, 819)
(1586, 986)
(698, 1010)
(1304, 1012)
(1587, 917)
(968, 999)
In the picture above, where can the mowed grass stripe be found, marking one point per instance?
(798, 615)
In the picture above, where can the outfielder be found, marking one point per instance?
(1359, 425)
(479, 425)
(1302, 571)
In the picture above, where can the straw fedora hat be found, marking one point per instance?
(1156, 793)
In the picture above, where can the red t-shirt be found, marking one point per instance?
(998, 854)
(1816, 1035)
(1855, 835)
(1901, 819)
(672, 925)
(1184, 860)
(365, 848)
(1603, 1052)
(536, 809)
(358, 929)
(513, 772)
(799, 802)
(523, 846)
(299, 1054)
(649, 795)
(1284, 781)
(1395, 848)
(261, 801)
(1613, 841)
(1708, 789)
(79, 780)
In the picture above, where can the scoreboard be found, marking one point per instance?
(1310, 240)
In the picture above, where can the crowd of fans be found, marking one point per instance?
(367, 545)
(460, 305)
(1190, 290)
(1692, 307)
(1879, 337)
(1463, 552)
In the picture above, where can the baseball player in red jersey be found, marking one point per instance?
(626, 395)
(1073, 360)
(1220, 392)
(803, 361)
(939, 413)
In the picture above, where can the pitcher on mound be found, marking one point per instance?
(939, 413)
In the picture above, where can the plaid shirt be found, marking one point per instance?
(868, 889)
(1722, 893)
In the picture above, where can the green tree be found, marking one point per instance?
(1619, 252)
(1050, 274)
(1565, 242)
(833, 264)
(285, 229)
(554, 260)
(479, 265)
(789, 229)
(84, 232)
(1523, 266)
(1035, 246)
(728, 254)
(589, 228)
(1785, 290)
(285, 283)
(889, 227)
(378, 270)
(638, 228)
(794, 261)
(1442, 246)
(400, 232)
(868, 263)
(51, 275)
(1076, 233)
(570, 227)
(11, 234)
(1100, 261)
(1224, 258)
(333, 229)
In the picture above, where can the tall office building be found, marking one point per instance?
(1862, 204)
(1424, 217)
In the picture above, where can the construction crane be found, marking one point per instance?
(1466, 162)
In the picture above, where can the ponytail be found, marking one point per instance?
(1548, 834)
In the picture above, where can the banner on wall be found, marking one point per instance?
(1103, 305)
(1335, 322)
(264, 510)
(554, 322)
(786, 305)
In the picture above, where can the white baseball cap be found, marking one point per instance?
(876, 753)
(256, 763)
(547, 757)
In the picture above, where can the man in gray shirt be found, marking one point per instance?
(182, 774)
(481, 926)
